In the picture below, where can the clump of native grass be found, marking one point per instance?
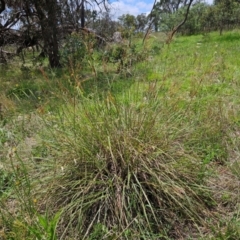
(132, 166)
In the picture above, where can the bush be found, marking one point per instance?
(124, 55)
(6, 180)
(73, 51)
(25, 89)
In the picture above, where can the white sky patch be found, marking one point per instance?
(132, 7)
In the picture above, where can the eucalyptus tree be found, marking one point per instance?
(44, 20)
(105, 24)
(226, 13)
(168, 7)
(35, 19)
(166, 11)
(172, 6)
(141, 22)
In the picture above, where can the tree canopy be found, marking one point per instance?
(45, 20)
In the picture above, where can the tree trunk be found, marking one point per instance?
(82, 15)
(49, 31)
(221, 29)
(2, 6)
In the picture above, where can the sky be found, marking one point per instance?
(133, 7)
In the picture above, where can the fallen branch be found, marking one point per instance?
(98, 37)
(8, 54)
(5, 55)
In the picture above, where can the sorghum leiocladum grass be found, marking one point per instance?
(124, 169)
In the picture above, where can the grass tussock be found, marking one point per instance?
(148, 152)
(130, 167)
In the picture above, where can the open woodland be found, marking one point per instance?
(147, 152)
(130, 140)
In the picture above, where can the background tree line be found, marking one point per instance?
(203, 17)
(46, 23)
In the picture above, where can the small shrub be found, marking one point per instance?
(27, 72)
(74, 51)
(24, 89)
(6, 181)
(227, 230)
(3, 136)
(124, 55)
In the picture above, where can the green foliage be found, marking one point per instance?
(26, 72)
(115, 53)
(226, 13)
(202, 17)
(127, 56)
(128, 21)
(142, 21)
(151, 156)
(73, 51)
(6, 181)
(235, 168)
(28, 223)
(195, 23)
(126, 172)
(25, 89)
(99, 232)
(40, 151)
(131, 24)
(4, 136)
(228, 230)
(45, 227)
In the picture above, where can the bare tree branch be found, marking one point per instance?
(3, 6)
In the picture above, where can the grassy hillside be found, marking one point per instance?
(125, 143)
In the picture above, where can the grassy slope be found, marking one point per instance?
(166, 140)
